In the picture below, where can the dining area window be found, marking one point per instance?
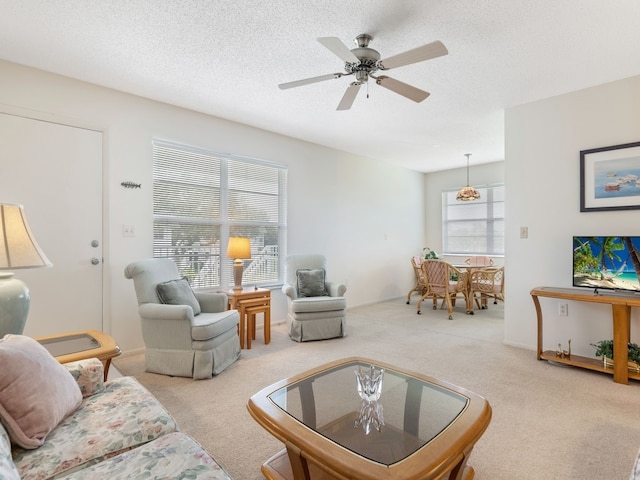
(474, 227)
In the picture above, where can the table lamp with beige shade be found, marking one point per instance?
(18, 250)
(238, 248)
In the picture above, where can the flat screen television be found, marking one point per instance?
(607, 263)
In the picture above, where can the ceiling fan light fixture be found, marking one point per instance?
(363, 61)
(468, 193)
(362, 76)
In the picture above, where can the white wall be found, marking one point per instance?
(543, 143)
(436, 182)
(366, 216)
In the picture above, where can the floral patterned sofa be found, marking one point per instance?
(118, 431)
(635, 473)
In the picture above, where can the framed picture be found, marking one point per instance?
(610, 178)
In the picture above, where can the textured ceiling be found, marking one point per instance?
(226, 58)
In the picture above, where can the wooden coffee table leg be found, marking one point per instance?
(298, 463)
(462, 471)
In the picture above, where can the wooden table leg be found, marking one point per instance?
(249, 318)
(536, 303)
(621, 329)
(462, 471)
(267, 325)
(106, 364)
(298, 463)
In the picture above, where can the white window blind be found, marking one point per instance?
(201, 198)
(476, 227)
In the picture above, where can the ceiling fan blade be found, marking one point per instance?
(307, 81)
(340, 49)
(401, 88)
(349, 96)
(420, 54)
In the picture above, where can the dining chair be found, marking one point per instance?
(421, 282)
(486, 283)
(479, 261)
(444, 281)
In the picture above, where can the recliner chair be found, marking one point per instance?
(316, 307)
(190, 334)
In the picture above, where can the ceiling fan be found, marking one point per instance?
(363, 62)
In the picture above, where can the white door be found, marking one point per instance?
(55, 171)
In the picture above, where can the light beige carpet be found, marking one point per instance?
(548, 421)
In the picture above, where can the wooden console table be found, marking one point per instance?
(621, 315)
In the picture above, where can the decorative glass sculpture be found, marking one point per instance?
(369, 382)
(370, 415)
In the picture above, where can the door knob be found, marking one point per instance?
(95, 261)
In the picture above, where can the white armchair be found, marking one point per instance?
(186, 334)
(316, 307)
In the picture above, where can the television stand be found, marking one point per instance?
(621, 317)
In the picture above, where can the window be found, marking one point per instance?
(476, 227)
(201, 198)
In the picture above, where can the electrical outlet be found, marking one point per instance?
(563, 309)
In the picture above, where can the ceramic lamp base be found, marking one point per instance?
(237, 274)
(14, 304)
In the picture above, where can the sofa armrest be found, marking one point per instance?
(635, 473)
(212, 302)
(161, 311)
(289, 291)
(8, 470)
(336, 289)
(89, 374)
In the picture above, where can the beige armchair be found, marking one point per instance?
(186, 334)
(316, 307)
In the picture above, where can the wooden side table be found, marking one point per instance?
(74, 346)
(247, 301)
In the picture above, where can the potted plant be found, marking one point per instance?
(604, 350)
(428, 253)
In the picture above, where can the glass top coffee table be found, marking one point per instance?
(334, 426)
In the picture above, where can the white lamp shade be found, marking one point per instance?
(239, 247)
(18, 247)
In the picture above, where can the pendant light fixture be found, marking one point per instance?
(468, 193)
